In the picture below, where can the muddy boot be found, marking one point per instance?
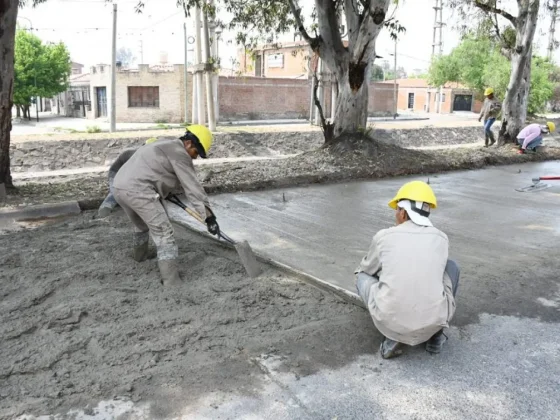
(486, 139)
(141, 251)
(390, 349)
(169, 273)
(435, 344)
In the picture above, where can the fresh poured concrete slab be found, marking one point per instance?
(505, 241)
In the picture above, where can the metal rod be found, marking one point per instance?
(113, 115)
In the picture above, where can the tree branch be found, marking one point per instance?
(491, 9)
(296, 10)
(328, 127)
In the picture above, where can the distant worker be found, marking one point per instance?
(406, 279)
(149, 176)
(489, 112)
(530, 137)
(109, 204)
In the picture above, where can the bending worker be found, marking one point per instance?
(149, 176)
(489, 112)
(110, 203)
(406, 280)
(531, 136)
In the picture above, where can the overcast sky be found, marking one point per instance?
(85, 27)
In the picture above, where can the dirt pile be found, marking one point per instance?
(81, 322)
(315, 166)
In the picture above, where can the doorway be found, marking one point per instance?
(101, 94)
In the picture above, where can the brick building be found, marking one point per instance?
(146, 94)
(156, 94)
(413, 96)
(286, 60)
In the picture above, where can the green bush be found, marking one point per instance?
(93, 129)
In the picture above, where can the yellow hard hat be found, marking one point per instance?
(488, 91)
(151, 140)
(551, 126)
(415, 191)
(204, 137)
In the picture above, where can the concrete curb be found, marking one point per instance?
(41, 211)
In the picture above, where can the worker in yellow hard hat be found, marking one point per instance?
(109, 204)
(489, 112)
(406, 279)
(149, 176)
(531, 136)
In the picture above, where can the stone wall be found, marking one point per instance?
(54, 155)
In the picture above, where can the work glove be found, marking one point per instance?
(212, 225)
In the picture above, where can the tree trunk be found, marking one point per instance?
(27, 112)
(514, 110)
(351, 107)
(350, 64)
(18, 111)
(8, 18)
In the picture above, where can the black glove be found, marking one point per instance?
(212, 224)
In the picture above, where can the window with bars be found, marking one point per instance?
(143, 96)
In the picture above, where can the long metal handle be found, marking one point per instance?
(175, 200)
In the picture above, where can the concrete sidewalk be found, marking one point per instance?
(503, 240)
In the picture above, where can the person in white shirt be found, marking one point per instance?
(406, 279)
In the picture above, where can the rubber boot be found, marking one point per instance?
(103, 212)
(169, 273)
(390, 349)
(486, 139)
(141, 251)
(435, 344)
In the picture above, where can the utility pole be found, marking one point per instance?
(208, 74)
(395, 84)
(185, 74)
(199, 76)
(437, 42)
(113, 116)
(553, 20)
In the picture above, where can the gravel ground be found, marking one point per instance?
(81, 322)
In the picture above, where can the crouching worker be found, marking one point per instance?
(531, 136)
(406, 280)
(149, 176)
(109, 204)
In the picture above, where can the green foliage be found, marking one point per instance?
(478, 63)
(93, 129)
(163, 126)
(377, 73)
(542, 88)
(39, 69)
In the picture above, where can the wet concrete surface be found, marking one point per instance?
(506, 242)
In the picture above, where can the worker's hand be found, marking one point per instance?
(212, 225)
(479, 119)
(521, 151)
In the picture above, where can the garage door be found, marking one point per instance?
(462, 103)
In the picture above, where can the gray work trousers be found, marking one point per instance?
(365, 281)
(147, 214)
